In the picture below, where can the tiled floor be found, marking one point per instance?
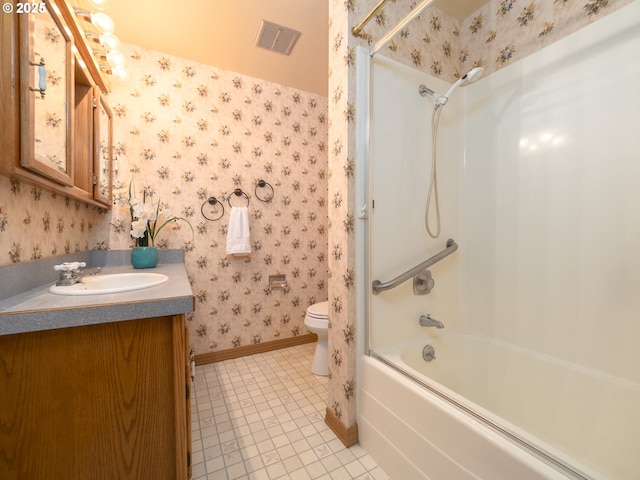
(262, 417)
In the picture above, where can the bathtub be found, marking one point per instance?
(468, 430)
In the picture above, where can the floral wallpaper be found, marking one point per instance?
(499, 33)
(185, 132)
(496, 35)
(36, 224)
(342, 331)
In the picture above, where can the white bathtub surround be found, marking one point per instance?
(538, 179)
(414, 434)
(482, 374)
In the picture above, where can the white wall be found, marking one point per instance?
(550, 201)
(400, 163)
(550, 224)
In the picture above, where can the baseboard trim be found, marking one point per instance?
(348, 436)
(243, 351)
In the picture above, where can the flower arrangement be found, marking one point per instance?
(147, 218)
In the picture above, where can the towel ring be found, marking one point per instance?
(267, 197)
(212, 201)
(237, 192)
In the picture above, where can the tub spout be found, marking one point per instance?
(427, 321)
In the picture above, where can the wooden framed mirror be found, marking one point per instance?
(46, 95)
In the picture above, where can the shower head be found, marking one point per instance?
(468, 78)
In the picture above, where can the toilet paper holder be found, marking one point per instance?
(277, 282)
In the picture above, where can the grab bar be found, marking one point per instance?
(377, 286)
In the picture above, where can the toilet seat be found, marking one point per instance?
(319, 311)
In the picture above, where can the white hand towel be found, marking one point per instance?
(238, 241)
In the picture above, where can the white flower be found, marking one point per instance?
(138, 227)
(147, 219)
(145, 211)
(121, 197)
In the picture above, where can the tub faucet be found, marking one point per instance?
(427, 321)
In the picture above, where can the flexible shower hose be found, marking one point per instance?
(433, 182)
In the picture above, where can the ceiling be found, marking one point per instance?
(223, 33)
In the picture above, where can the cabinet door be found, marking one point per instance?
(98, 402)
(46, 98)
(103, 153)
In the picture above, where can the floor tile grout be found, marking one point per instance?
(262, 418)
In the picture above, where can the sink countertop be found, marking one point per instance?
(36, 309)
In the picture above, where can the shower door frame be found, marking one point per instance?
(363, 290)
(364, 89)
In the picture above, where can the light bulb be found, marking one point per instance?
(103, 22)
(121, 73)
(110, 41)
(115, 58)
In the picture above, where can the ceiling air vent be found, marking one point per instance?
(276, 38)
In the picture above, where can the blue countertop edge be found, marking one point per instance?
(27, 306)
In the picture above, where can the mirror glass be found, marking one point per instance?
(50, 111)
(46, 95)
(103, 153)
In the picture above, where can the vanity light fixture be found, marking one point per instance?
(121, 72)
(100, 31)
(101, 21)
(115, 58)
(100, 54)
(108, 40)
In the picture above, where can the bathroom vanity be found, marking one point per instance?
(97, 386)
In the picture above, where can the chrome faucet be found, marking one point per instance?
(427, 321)
(70, 272)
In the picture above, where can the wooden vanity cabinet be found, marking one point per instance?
(83, 139)
(92, 139)
(96, 402)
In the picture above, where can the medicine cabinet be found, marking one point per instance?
(45, 91)
(58, 126)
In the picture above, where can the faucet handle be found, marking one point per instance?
(67, 266)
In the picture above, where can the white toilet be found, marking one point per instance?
(317, 321)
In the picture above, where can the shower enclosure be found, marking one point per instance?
(538, 169)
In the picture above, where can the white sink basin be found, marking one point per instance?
(112, 283)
